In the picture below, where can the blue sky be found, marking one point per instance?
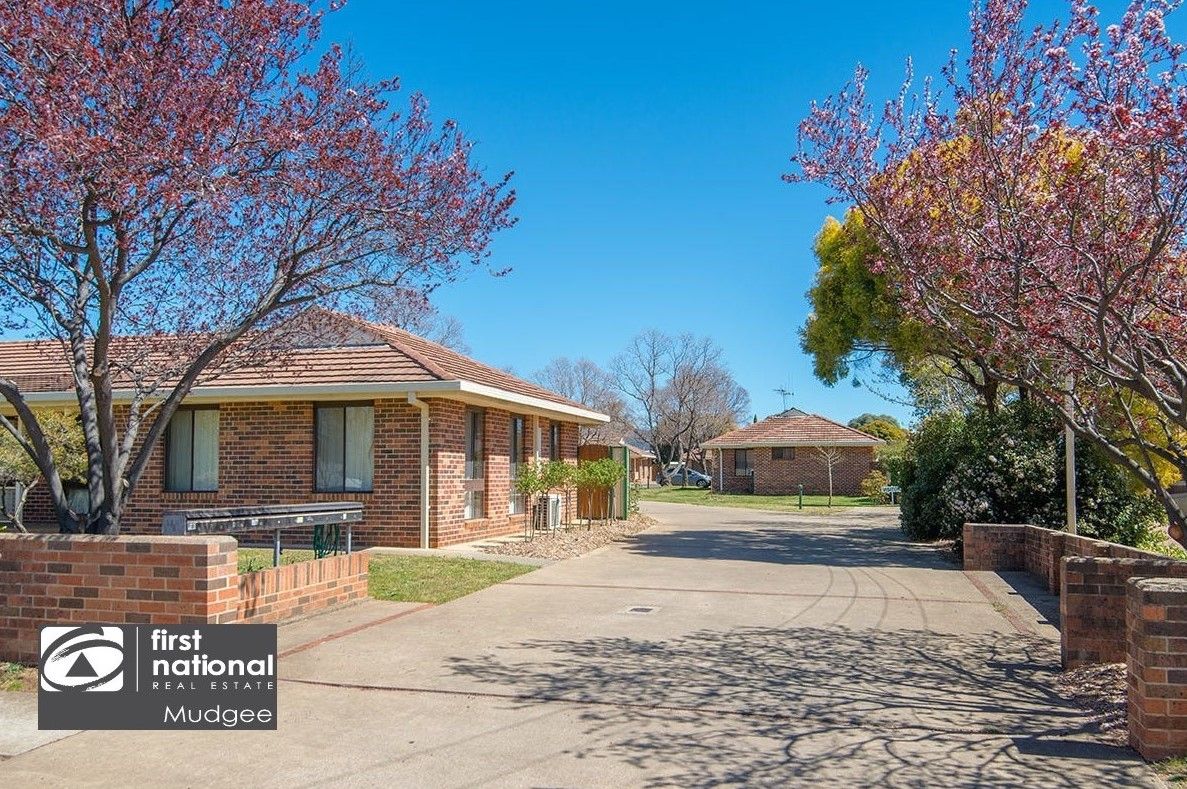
(648, 140)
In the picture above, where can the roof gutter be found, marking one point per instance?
(457, 390)
(423, 407)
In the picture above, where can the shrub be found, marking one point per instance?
(1008, 468)
(871, 487)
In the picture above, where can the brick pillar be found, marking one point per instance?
(1156, 617)
(994, 546)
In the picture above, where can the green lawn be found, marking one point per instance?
(415, 579)
(708, 498)
(429, 579)
(253, 559)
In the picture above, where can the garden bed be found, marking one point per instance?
(574, 540)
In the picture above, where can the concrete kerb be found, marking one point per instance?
(460, 553)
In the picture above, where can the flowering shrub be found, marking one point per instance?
(1008, 468)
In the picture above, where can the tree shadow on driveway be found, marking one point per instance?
(832, 706)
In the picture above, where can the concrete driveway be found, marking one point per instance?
(722, 647)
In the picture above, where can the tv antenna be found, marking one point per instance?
(784, 393)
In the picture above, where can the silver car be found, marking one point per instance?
(689, 478)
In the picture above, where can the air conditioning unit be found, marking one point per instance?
(555, 508)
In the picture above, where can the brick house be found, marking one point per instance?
(429, 440)
(782, 452)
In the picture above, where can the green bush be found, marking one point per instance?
(1008, 468)
(871, 487)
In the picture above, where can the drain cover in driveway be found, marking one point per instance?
(641, 609)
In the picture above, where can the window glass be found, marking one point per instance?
(205, 463)
(179, 468)
(191, 455)
(360, 438)
(345, 448)
(741, 462)
(475, 466)
(554, 441)
(515, 456)
(474, 447)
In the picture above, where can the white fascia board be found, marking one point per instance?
(454, 390)
(534, 404)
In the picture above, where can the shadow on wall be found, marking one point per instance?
(781, 706)
(758, 541)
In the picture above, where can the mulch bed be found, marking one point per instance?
(1100, 689)
(573, 541)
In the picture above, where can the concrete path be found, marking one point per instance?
(722, 647)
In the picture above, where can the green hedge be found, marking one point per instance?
(1008, 467)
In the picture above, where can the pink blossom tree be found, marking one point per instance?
(173, 170)
(1030, 206)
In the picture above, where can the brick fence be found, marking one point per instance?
(1116, 604)
(1157, 614)
(50, 579)
(1088, 575)
(296, 589)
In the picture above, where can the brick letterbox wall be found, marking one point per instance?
(64, 579)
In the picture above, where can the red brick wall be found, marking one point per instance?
(994, 546)
(266, 456)
(448, 454)
(1156, 616)
(1093, 600)
(280, 593)
(1090, 577)
(774, 477)
(59, 579)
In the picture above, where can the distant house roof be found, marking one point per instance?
(635, 445)
(368, 360)
(638, 447)
(793, 428)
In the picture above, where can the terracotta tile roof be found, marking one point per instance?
(793, 428)
(446, 364)
(371, 353)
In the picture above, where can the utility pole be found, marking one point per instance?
(1069, 442)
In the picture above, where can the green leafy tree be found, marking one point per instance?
(1008, 468)
(596, 478)
(858, 323)
(886, 428)
(19, 472)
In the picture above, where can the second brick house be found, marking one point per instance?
(784, 451)
(429, 440)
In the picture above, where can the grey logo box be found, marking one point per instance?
(157, 677)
